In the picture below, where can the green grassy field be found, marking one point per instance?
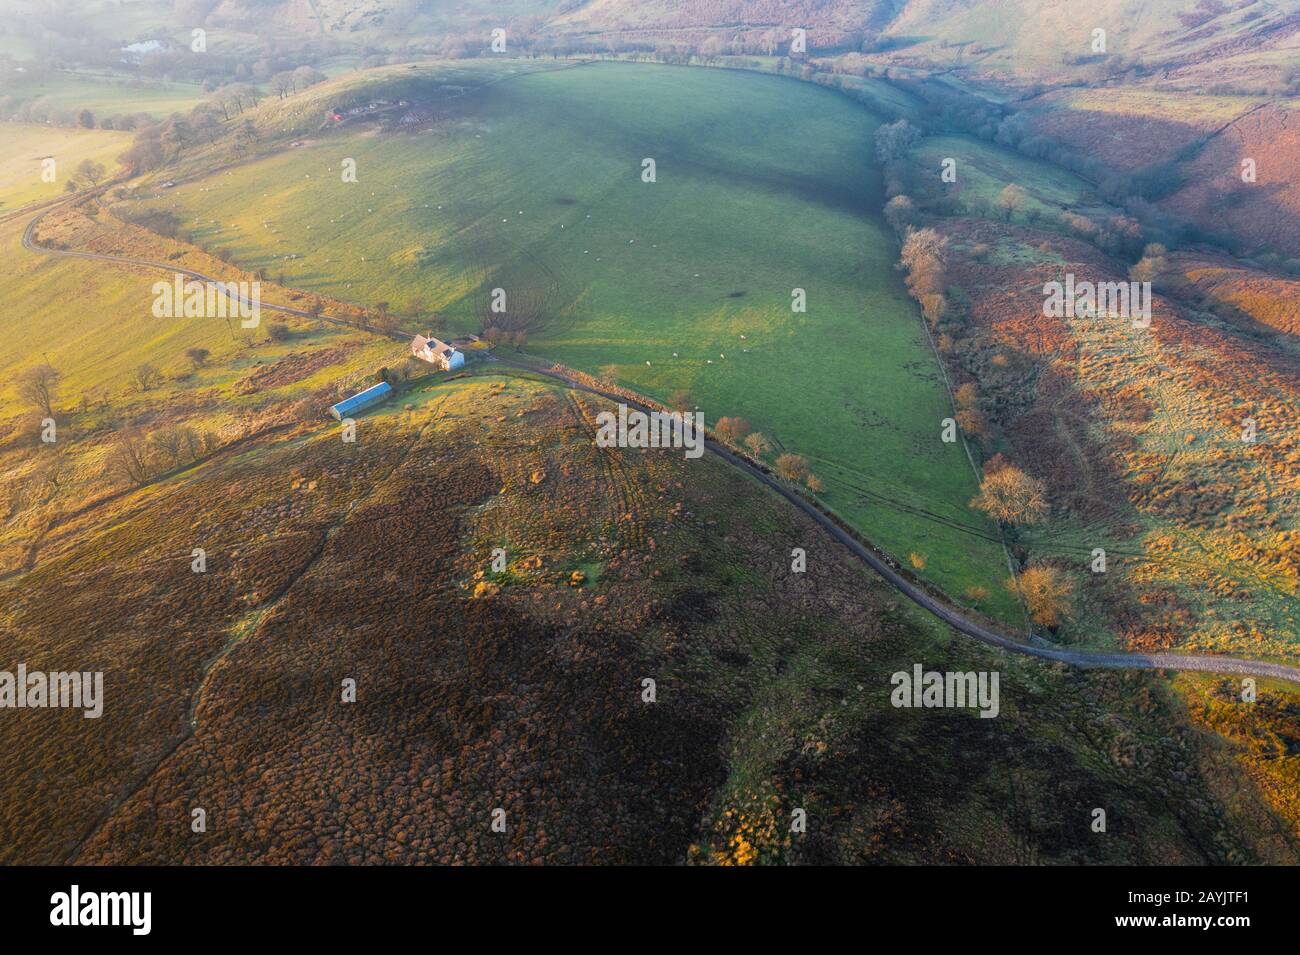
(984, 170)
(108, 94)
(534, 186)
(28, 145)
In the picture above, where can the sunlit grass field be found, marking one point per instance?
(93, 322)
(27, 145)
(983, 170)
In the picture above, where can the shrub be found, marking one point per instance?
(757, 444)
(732, 430)
(1010, 496)
(1046, 592)
(792, 467)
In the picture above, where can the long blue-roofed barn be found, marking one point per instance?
(362, 400)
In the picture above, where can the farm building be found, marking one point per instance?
(362, 400)
(436, 353)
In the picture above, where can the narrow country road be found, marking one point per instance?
(945, 612)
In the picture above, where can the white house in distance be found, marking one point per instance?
(436, 353)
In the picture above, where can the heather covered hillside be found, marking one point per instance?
(523, 688)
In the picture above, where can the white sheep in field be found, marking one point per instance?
(647, 364)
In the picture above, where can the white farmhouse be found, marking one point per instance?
(436, 353)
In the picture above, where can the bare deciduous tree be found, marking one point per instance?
(91, 171)
(128, 457)
(1011, 200)
(169, 442)
(146, 377)
(38, 386)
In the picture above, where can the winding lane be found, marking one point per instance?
(922, 597)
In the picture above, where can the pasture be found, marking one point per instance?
(534, 186)
(984, 170)
(93, 322)
(28, 145)
(107, 94)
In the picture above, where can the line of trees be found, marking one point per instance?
(136, 456)
(1008, 494)
(46, 110)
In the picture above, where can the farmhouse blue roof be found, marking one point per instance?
(361, 400)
